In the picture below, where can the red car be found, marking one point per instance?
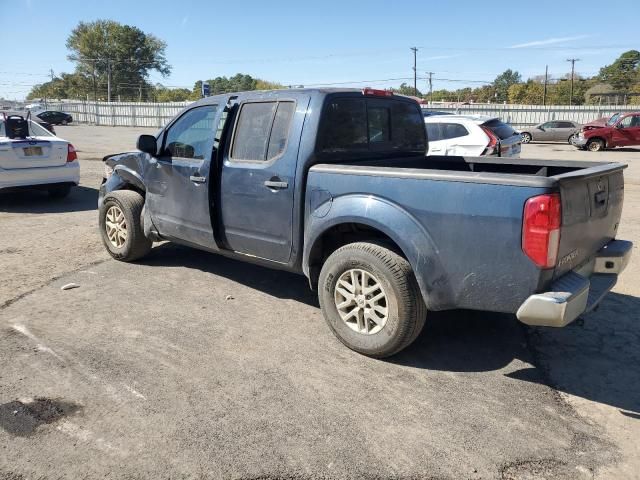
(621, 130)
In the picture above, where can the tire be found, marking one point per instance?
(121, 217)
(58, 192)
(526, 137)
(394, 278)
(595, 145)
(570, 139)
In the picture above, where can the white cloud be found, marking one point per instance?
(549, 41)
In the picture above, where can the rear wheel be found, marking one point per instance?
(370, 299)
(121, 226)
(59, 192)
(595, 145)
(526, 137)
(571, 138)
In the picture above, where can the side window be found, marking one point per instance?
(280, 129)
(635, 122)
(627, 122)
(453, 130)
(433, 132)
(566, 125)
(548, 125)
(262, 130)
(191, 136)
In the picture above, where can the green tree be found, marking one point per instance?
(162, 94)
(529, 93)
(125, 53)
(624, 72)
(405, 89)
(502, 83)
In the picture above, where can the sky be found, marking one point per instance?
(348, 42)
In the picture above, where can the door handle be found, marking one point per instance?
(197, 179)
(276, 184)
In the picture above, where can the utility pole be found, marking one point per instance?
(573, 64)
(415, 71)
(51, 74)
(108, 80)
(430, 87)
(95, 87)
(546, 79)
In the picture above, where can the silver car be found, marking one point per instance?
(553, 131)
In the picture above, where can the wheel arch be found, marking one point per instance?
(361, 218)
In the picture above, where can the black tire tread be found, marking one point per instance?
(410, 301)
(140, 245)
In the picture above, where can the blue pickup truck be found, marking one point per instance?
(335, 184)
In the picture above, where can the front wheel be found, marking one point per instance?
(526, 137)
(121, 226)
(595, 145)
(370, 299)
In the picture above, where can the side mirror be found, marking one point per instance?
(619, 125)
(147, 144)
(541, 128)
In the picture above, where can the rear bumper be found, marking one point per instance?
(577, 292)
(26, 177)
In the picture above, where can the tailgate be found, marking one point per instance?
(591, 207)
(32, 153)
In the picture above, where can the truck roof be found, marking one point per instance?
(289, 92)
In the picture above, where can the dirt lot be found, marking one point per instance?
(148, 370)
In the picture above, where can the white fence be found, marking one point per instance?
(126, 114)
(134, 114)
(526, 115)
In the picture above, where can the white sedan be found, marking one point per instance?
(471, 135)
(41, 160)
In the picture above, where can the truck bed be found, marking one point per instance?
(476, 229)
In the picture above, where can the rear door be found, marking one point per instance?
(258, 178)
(457, 140)
(39, 149)
(563, 131)
(437, 146)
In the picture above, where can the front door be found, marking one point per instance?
(177, 179)
(627, 132)
(258, 179)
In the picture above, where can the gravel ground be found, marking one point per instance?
(151, 370)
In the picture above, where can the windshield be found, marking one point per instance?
(614, 118)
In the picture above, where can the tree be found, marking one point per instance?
(405, 89)
(162, 94)
(502, 83)
(126, 54)
(623, 73)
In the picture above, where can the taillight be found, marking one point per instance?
(541, 229)
(376, 92)
(493, 142)
(72, 156)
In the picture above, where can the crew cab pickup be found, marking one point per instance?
(335, 184)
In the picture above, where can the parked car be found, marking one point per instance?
(622, 130)
(471, 135)
(55, 118)
(45, 125)
(35, 158)
(334, 184)
(553, 131)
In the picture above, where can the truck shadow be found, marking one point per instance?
(276, 283)
(597, 361)
(81, 199)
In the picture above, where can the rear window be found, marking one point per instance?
(500, 129)
(370, 124)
